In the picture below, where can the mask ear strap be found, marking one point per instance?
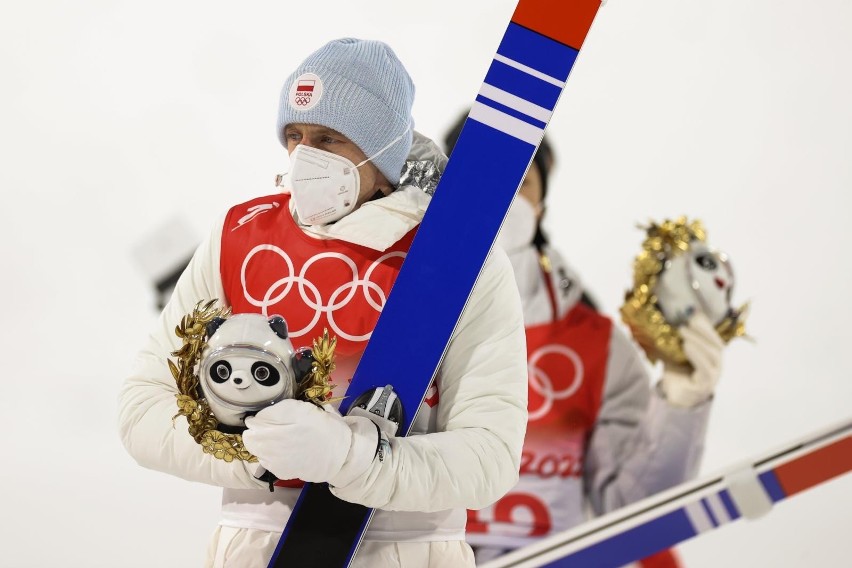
(383, 150)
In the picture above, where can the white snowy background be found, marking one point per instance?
(117, 116)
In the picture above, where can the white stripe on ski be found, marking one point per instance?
(698, 517)
(718, 509)
(515, 102)
(506, 124)
(529, 70)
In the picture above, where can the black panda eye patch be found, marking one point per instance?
(706, 261)
(265, 374)
(220, 371)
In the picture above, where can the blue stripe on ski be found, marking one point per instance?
(510, 111)
(638, 542)
(709, 513)
(522, 85)
(537, 51)
(772, 486)
(733, 512)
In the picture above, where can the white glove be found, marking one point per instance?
(687, 387)
(298, 440)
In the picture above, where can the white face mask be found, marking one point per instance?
(519, 227)
(324, 186)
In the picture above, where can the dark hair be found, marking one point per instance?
(543, 159)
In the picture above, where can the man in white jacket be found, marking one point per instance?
(323, 263)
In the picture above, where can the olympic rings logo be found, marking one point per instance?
(302, 101)
(542, 384)
(311, 295)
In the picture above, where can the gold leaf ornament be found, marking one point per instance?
(316, 386)
(202, 423)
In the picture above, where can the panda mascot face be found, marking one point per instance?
(246, 366)
(699, 279)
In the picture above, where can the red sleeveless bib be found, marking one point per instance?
(566, 362)
(270, 266)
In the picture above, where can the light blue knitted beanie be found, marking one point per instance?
(359, 88)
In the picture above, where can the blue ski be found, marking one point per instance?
(664, 520)
(504, 128)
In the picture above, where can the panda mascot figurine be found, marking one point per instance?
(675, 275)
(700, 279)
(233, 366)
(248, 364)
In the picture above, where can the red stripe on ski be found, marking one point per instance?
(566, 21)
(817, 467)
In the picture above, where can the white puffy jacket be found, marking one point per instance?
(469, 457)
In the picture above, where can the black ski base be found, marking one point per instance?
(322, 535)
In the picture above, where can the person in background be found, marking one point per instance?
(599, 435)
(344, 218)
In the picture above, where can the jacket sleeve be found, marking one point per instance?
(473, 458)
(641, 444)
(147, 403)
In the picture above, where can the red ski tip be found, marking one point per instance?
(566, 21)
